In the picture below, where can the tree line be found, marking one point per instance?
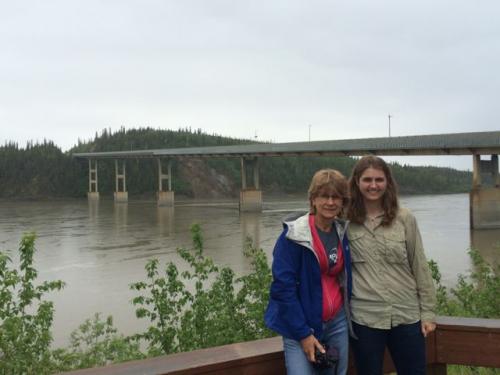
(43, 170)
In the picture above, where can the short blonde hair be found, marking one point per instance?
(328, 179)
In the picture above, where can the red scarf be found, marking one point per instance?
(331, 291)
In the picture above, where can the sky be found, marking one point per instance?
(280, 71)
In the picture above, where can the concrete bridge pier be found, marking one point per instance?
(121, 194)
(250, 195)
(93, 193)
(485, 194)
(165, 198)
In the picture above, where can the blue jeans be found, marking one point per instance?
(405, 343)
(335, 334)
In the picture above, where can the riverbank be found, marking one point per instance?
(99, 249)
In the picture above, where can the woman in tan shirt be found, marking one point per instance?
(393, 296)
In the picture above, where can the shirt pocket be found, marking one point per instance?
(356, 239)
(395, 247)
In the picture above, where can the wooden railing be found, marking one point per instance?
(461, 341)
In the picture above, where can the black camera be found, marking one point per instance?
(328, 359)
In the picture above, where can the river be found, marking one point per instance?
(99, 248)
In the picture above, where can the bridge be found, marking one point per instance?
(484, 197)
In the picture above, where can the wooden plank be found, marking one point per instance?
(463, 341)
(468, 341)
(248, 358)
(471, 324)
(466, 347)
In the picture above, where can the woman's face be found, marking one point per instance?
(327, 204)
(372, 184)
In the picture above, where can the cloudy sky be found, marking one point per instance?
(273, 70)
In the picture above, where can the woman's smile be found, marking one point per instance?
(372, 184)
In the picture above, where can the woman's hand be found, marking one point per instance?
(427, 327)
(309, 345)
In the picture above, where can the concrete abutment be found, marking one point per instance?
(250, 200)
(165, 198)
(250, 193)
(484, 198)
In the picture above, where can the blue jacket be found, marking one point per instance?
(296, 302)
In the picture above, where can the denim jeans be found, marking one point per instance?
(335, 334)
(405, 342)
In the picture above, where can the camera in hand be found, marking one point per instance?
(328, 359)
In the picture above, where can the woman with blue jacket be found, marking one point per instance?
(311, 288)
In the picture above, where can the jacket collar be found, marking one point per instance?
(299, 231)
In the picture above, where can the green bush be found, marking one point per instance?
(222, 309)
(204, 306)
(25, 316)
(26, 321)
(477, 295)
(96, 342)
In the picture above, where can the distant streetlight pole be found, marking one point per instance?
(310, 132)
(389, 116)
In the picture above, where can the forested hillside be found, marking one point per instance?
(38, 171)
(42, 170)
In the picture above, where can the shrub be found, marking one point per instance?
(477, 295)
(221, 309)
(95, 343)
(25, 316)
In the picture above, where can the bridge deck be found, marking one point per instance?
(482, 143)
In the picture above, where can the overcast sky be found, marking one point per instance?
(274, 70)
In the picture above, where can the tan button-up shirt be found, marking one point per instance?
(392, 283)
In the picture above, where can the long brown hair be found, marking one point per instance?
(356, 211)
(328, 179)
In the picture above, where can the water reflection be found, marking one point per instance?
(250, 227)
(165, 217)
(487, 242)
(120, 211)
(100, 247)
(93, 209)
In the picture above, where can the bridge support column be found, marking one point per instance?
(165, 198)
(121, 194)
(484, 198)
(93, 193)
(250, 197)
